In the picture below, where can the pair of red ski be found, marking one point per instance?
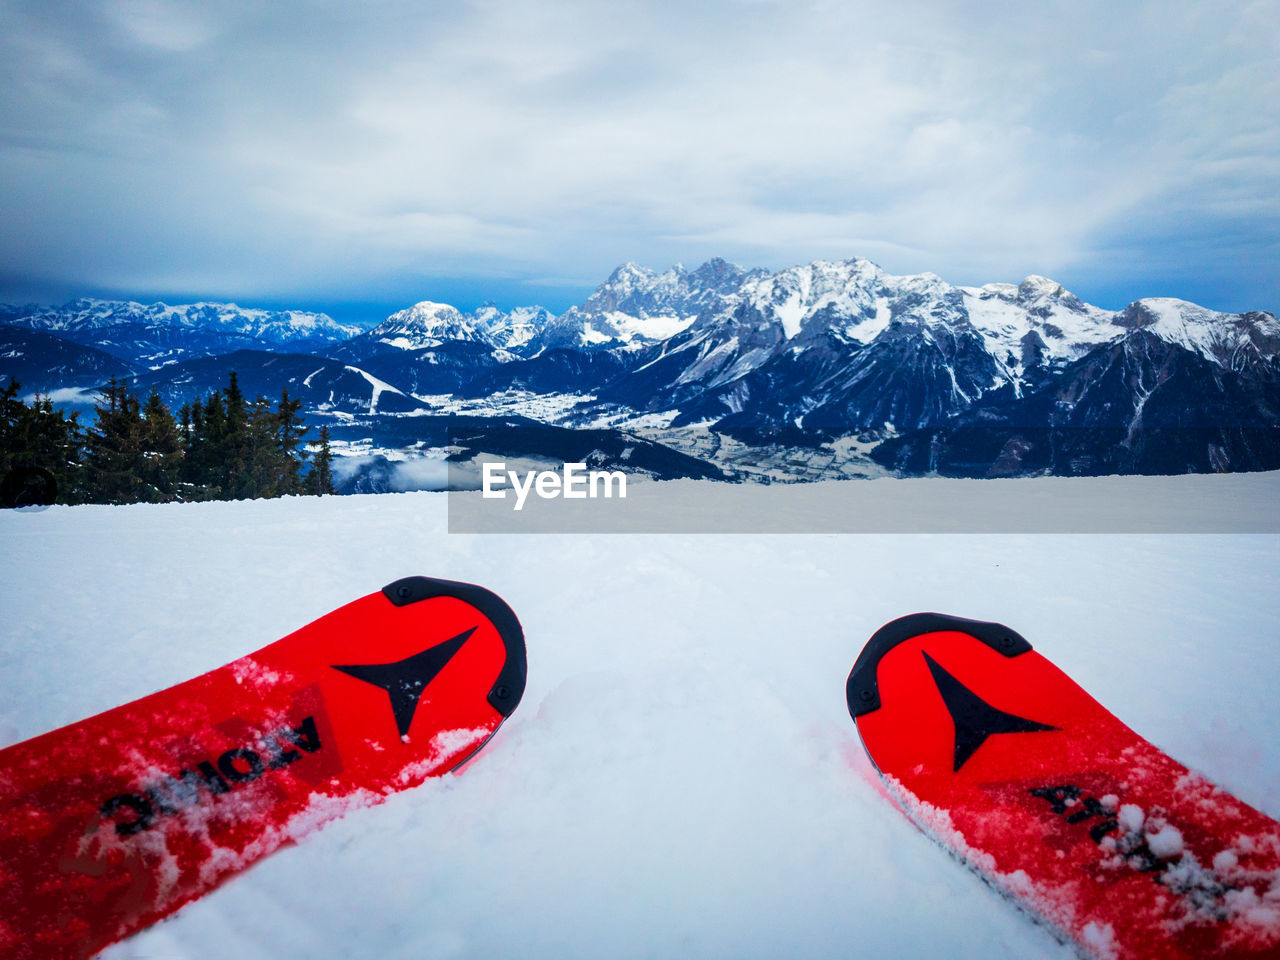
(112, 823)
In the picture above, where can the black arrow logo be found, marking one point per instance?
(405, 679)
(974, 718)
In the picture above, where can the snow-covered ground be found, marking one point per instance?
(682, 778)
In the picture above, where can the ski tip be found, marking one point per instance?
(508, 688)
(862, 691)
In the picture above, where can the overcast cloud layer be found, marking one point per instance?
(319, 153)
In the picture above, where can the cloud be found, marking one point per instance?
(162, 25)
(304, 149)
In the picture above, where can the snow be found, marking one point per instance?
(591, 335)
(426, 324)
(682, 778)
(1220, 337)
(379, 386)
(520, 326)
(1178, 321)
(650, 327)
(404, 343)
(865, 331)
(1131, 817)
(1000, 313)
(1101, 940)
(1166, 842)
(712, 362)
(790, 314)
(546, 407)
(791, 297)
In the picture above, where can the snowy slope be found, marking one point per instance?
(1230, 340)
(1036, 315)
(682, 778)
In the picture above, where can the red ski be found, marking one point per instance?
(998, 755)
(111, 823)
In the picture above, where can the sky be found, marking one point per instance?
(358, 158)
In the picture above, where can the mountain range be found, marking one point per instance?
(925, 376)
(153, 334)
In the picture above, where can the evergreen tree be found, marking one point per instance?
(193, 472)
(289, 433)
(38, 437)
(235, 440)
(264, 458)
(259, 475)
(320, 479)
(162, 452)
(113, 458)
(211, 469)
(221, 448)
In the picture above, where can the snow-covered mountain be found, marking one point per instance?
(433, 348)
(273, 326)
(1231, 340)
(159, 333)
(513, 331)
(749, 318)
(1139, 404)
(811, 354)
(425, 324)
(429, 324)
(831, 349)
(635, 306)
(843, 343)
(1035, 321)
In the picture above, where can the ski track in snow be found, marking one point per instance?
(379, 387)
(682, 778)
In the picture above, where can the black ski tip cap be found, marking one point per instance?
(508, 688)
(862, 691)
